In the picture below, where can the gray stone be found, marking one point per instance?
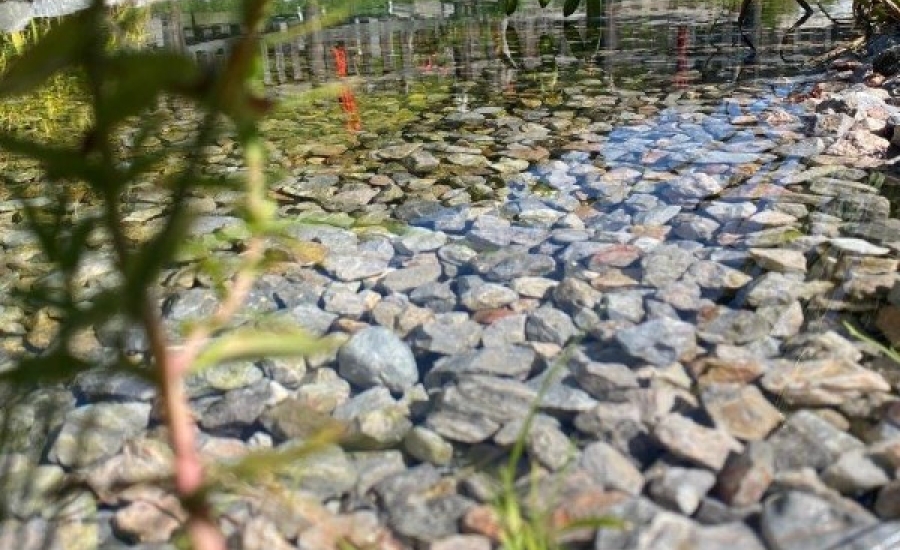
(420, 271)
(679, 489)
(627, 305)
(639, 512)
(428, 446)
(287, 371)
(376, 356)
(887, 504)
(326, 473)
(741, 410)
(508, 264)
(723, 325)
(611, 468)
(549, 446)
(475, 294)
(417, 239)
(854, 473)
(355, 266)
(415, 509)
(27, 421)
(499, 399)
(512, 361)
(686, 439)
(221, 378)
(619, 424)
(801, 521)
(821, 382)
(94, 432)
(459, 426)
(312, 319)
(572, 294)
(561, 397)
(100, 384)
(29, 490)
(322, 391)
(603, 380)
(447, 334)
(660, 341)
(374, 420)
(775, 288)
(533, 287)
(548, 324)
(435, 296)
(292, 419)
(505, 331)
(665, 264)
(779, 259)
(857, 247)
(667, 530)
(713, 275)
(806, 440)
(747, 476)
(786, 320)
(237, 410)
(683, 296)
(374, 467)
(421, 162)
(345, 301)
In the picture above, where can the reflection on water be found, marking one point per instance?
(685, 41)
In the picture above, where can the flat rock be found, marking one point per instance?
(807, 440)
(686, 439)
(548, 324)
(821, 382)
(513, 361)
(779, 259)
(377, 357)
(447, 334)
(94, 432)
(680, 489)
(741, 410)
(660, 341)
(611, 468)
(801, 521)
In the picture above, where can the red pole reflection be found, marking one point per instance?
(346, 97)
(681, 47)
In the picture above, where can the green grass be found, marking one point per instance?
(524, 523)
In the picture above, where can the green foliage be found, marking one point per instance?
(121, 90)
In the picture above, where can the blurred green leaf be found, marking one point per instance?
(56, 366)
(249, 344)
(129, 91)
(59, 163)
(510, 6)
(64, 46)
(146, 262)
(76, 244)
(260, 463)
(570, 6)
(544, 3)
